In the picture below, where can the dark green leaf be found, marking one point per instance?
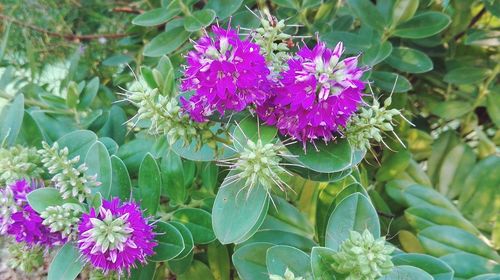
(423, 25)
(198, 221)
(170, 242)
(99, 163)
(11, 120)
(166, 42)
(198, 20)
(409, 60)
(149, 185)
(156, 16)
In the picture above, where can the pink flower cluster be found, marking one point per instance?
(23, 223)
(311, 99)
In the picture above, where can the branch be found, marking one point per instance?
(473, 21)
(68, 37)
(127, 10)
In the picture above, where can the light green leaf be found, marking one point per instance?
(409, 60)
(156, 16)
(67, 264)
(199, 19)
(149, 185)
(423, 25)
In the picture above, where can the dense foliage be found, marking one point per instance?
(242, 139)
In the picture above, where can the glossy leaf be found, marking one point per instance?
(423, 25)
(156, 16)
(237, 211)
(149, 185)
(99, 163)
(354, 213)
(198, 222)
(409, 60)
(170, 242)
(280, 258)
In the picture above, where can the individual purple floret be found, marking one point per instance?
(225, 73)
(21, 222)
(116, 238)
(316, 95)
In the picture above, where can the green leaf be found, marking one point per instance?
(114, 126)
(173, 178)
(423, 25)
(156, 16)
(321, 263)
(492, 106)
(284, 216)
(454, 170)
(438, 269)
(481, 189)
(218, 261)
(198, 221)
(121, 186)
(42, 198)
(72, 95)
(334, 157)
(280, 237)
(166, 42)
(466, 75)
(99, 163)
(31, 133)
(89, 93)
(404, 10)
(468, 265)
(442, 240)
(421, 217)
(250, 261)
(78, 143)
(132, 153)
(409, 60)
(197, 270)
(198, 20)
(367, 13)
(451, 109)
(376, 54)
(417, 195)
(393, 165)
(180, 266)
(67, 264)
(237, 214)
(146, 272)
(389, 81)
(480, 37)
(353, 43)
(149, 185)
(406, 272)
(11, 120)
(223, 8)
(170, 242)
(354, 213)
(186, 236)
(440, 148)
(280, 258)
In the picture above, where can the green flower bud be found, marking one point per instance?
(62, 218)
(18, 162)
(362, 257)
(289, 275)
(69, 177)
(25, 259)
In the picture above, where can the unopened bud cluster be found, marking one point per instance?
(7, 207)
(259, 163)
(23, 258)
(272, 41)
(166, 118)
(289, 275)
(370, 124)
(363, 257)
(69, 177)
(18, 162)
(62, 218)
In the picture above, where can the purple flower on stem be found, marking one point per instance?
(226, 73)
(316, 95)
(21, 221)
(116, 237)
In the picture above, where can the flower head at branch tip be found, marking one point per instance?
(62, 218)
(317, 95)
(167, 118)
(226, 73)
(257, 163)
(363, 257)
(289, 275)
(22, 222)
(26, 259)
(115, 238)
(69, 176)
(18, 162)
(371, 123)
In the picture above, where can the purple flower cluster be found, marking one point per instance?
(23, 223)
(116, 237)
(226, 73)
(311, 99)
(316, 95)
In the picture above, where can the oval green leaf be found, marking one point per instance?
(280, 258)
(409, 60)
(99, 163)
(423, 25)
(198, 221)
(170, 242)
(149, 185)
